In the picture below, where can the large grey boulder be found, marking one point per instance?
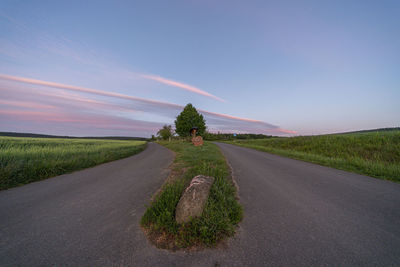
(193, 199)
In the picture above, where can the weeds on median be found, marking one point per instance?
(222, 212)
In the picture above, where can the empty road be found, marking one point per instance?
(299, 213)
(296, 214)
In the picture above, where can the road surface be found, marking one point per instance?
(296, 214)
(299, 213)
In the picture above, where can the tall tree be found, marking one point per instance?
(188, 119)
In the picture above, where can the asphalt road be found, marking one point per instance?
(299, 213)
(296, 214)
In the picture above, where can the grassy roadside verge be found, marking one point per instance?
(221, 214)
(24, 160)
(375, 154)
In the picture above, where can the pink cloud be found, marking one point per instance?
(183, 86)
(25, 104)
(44, 99)
(228, 116)
(45, 116)
(81, 89)
(111, 94)
(80, 104)
(85, 102)
(88, 120)
(284, 131)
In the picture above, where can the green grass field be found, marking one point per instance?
(25, 160)
(375, 154)
(222, 212)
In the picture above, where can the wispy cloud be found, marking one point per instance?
(181, 85)
(232, 117)
(63, 120)
(25, 104)
(82, 89)
(284, 131)
(42, 44)
(70, 100)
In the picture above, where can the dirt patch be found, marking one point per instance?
(162, 240)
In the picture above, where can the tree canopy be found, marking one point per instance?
(188, 119)
(165, 132)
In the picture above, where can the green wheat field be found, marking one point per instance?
(24, 160)
(375, 154)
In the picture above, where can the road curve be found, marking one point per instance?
(86, 218)
(296, 214)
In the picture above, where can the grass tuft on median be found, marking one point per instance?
(24, 160)
(375, 154)
(222, 212)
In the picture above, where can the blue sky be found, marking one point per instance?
(273, 67)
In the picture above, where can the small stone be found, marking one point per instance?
(193, 199)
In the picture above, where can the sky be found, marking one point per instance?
(125, 68)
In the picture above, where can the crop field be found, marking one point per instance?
(25, 160)
(375, 154)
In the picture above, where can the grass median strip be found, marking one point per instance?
(375, 154)
(24, 160)
(222, 212)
